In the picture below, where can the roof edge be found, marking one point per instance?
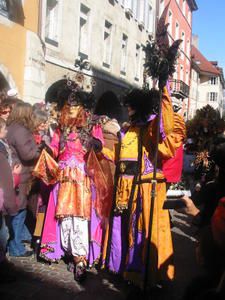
(193, 5)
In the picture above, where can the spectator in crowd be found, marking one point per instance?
(12, 93)
(188, 165)
(11, 101)
(5, 110)
(210, 218)
(7, 201)
(3, 95)
(25, 150)
(40, 119)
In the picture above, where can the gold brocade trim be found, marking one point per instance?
(127, 144)
(68, 180)
(95, 262)
(47, 247)
(120, 208)
(71, 216)
(50, 260)
(46, 178)
(122, 167)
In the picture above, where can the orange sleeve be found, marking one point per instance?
(167, 113)
(174, 140)
(167, 118)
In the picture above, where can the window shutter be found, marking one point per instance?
(16, 13)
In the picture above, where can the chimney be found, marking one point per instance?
(195, 40)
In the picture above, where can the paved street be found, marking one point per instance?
(39, 281)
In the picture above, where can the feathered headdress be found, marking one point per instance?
(160, 56)
(71, 93)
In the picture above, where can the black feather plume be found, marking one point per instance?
(172, 56)
(160, 58)
(162, 39)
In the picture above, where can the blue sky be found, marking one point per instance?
(209, 25)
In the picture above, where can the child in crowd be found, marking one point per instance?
(40, 192)
(40, 118)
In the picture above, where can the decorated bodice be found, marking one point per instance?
(74, 144)
(130, 148)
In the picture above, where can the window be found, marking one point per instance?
(137, 62)
(193, 74)
(135, 8)
(187, 78)
(212, 96)
(107, 44)
(124, 54)
(214, 80)
(188, 48)
(127, 4)
(51, 25)
(84, 31)
(3, 8)
(113, 2)
(170, 21)
(182, 44)
(140, 11)
(184, 7)
(150, 19)
(176, 31)
(175, 75)
(182, 73)
(13, 10)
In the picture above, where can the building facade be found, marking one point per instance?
(46, 41)
(22, 62)
(207, 83)
(194, 100)
(179, 18)
(102, 39)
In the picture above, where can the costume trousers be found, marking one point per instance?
(74, 236)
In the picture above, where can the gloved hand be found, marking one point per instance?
(96, 145)
(43, 145)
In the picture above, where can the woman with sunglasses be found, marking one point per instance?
(5, 110)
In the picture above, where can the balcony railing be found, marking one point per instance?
(179, 88)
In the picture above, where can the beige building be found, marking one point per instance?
(22, 61)
(207, 84)
(194, 100)
(102, 38)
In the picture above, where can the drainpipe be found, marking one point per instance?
(39, 18)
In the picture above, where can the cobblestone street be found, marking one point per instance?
(42, 281)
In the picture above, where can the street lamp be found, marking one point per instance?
(82, 63)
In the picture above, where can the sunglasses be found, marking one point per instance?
(5, 112)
